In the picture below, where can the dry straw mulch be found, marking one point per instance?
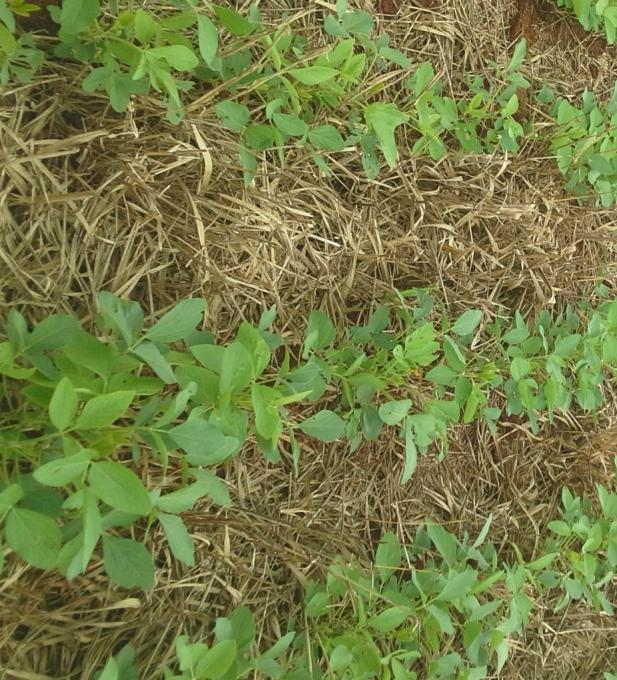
(90, 200)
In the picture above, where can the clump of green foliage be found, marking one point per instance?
(280, 96)
(86, 418)
(299, 89)
(595, 15)
(75, 411)
(439, 608)
(584, 142)
(19, 56)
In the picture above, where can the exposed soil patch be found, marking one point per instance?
(388, 6)
(392, 7)
(539, 21)
(39, 20)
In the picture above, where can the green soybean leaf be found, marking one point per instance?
(233, 116)
(467, 322)
(204, 443)
(269, 667)
(63, 405)
(383, 119)
(63, 471)
(422, 78)
(207, 38)
(290, 124)
(411, 452)
(393, 412)
(210, 356)
(6, 16)
(256, 346)
(388, 556)
(240, 627)
(236, 369)
(340, 658)
(125, 659)
(267, 418)
(472, 403)
(119, 487)
(519, 54)
(217, 661)
(91, 353)
(182, 499)
(9, 497)
(235, 23)
(320, 332)
(608, 502)
(484, 532)
(207, 484)
(458, 585)
(262, 137)
(110, 671)
(441, 375)
(396, 57)
(358, 23)
(317, 605)
(560, 528)
(542, 562)
(179, 322)
(511, 106)
(151, 355)
(179, 57)
(248, 162)
(17, 331)
(145, 25)
(40, 498)
(326, 137)
(213, 487)
(442, 617)
(516, 336)
(7, 365)
(104, 410)
(519, 368)
(34, 537)
(91, 532)
(566, 346)
(127, 563)
(313, 75)
(454, 355)
(178, 537)
(371, 423)
(389, 619)
(445, 542)
(53, 332)
(280, 646)
(77, 15)
(326, 426)
(448, 411)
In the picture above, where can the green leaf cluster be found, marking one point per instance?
(439, 607)
(77, 405)
(584, 143)
(20, 58)
(87, 413)
(279, 96)
(595, 15)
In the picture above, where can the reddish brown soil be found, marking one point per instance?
(391, 7)
(39, 20)
(540, 22)
(388, 6)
